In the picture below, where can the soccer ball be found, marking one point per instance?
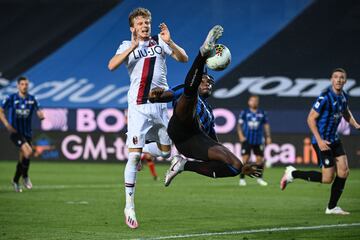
(220, 58)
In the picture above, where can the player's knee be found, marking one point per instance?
(27, 152)
(165, 154)
(343, 173)
(327, 179)
(133, 158)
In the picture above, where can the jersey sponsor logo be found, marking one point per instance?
(253, 124)
(282, 86)
(147, 52)
(22, 113)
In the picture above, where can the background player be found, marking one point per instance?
(20, 107)
(192, 125)
(144, 57)
(252, 124)
(323, 121)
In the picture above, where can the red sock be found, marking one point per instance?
(149, 159)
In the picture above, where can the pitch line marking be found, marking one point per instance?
(280, 229)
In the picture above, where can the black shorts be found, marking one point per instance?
(190, 140)
(246, 148)
(327, 158)
(19, 139)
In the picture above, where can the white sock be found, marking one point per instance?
(130, 178)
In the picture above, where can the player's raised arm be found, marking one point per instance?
(350, 119)
(118, 59)
(178, 53)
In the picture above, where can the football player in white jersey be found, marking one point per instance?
(144, 57)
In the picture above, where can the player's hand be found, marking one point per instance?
(324, 145)
(10, 129)
(155, 94)
(268, 140)
(134, 39)
(251, 170)
(165, 33)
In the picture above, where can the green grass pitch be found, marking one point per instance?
(86, 200)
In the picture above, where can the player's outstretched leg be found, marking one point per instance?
(287, 177)
(291, 173)
(187, 102)
(176, 167)
(214, 34)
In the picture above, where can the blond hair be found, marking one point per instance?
(138, 12)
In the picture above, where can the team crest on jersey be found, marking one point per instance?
(135, 140)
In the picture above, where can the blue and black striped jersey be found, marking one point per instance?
(330, 107)
(252, 124)
(19, 112)
(204, 111)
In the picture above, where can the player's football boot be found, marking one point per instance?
(214, 34)
(287, 178)
(130, 218)
(177, 166)
(336, 210)
(261, 182)
(27, 183)
(16, 186)
(242, 183)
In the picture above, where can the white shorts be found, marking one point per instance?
(147, 122)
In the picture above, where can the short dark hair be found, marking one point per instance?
(338, 70)
(211, 78)
(21, 78)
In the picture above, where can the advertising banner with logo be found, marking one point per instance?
(99, 135)
(286, 149)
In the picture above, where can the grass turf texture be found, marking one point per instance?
(85, 201)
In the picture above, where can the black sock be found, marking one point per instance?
(25, 167)
(194, 76)
(242, 176)
(213, 169)
(261, 168)
(312, 176)
(336, 190)
(18, 172)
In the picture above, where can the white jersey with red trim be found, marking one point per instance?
(146, 66)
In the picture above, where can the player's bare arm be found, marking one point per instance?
(178, 53)
(118, 59)
(240, 132)
(267, 134)
(40, 114)
(350, 119)
(158, 94)
(5, 121)
(311, 120)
